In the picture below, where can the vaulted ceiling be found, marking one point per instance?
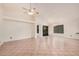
(50, 12)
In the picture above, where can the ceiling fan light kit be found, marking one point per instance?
(31, 11)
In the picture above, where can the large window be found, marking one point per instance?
(59, 29)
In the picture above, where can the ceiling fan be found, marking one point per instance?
(31, 11)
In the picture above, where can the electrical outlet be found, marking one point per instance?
(11, 37)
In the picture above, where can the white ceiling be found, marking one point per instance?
(53, 11)
(58, 12)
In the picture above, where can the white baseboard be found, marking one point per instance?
(18, 39)
(1, 42)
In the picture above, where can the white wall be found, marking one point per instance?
(68, 15)
(40, 21)
(14, 23)
(57, 14)
(50, 14)
(70, 30)
(17, 30)
(1, 21)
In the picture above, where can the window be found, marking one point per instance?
(59, 29)
(37, 28)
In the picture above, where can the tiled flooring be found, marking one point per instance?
(46, 46)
